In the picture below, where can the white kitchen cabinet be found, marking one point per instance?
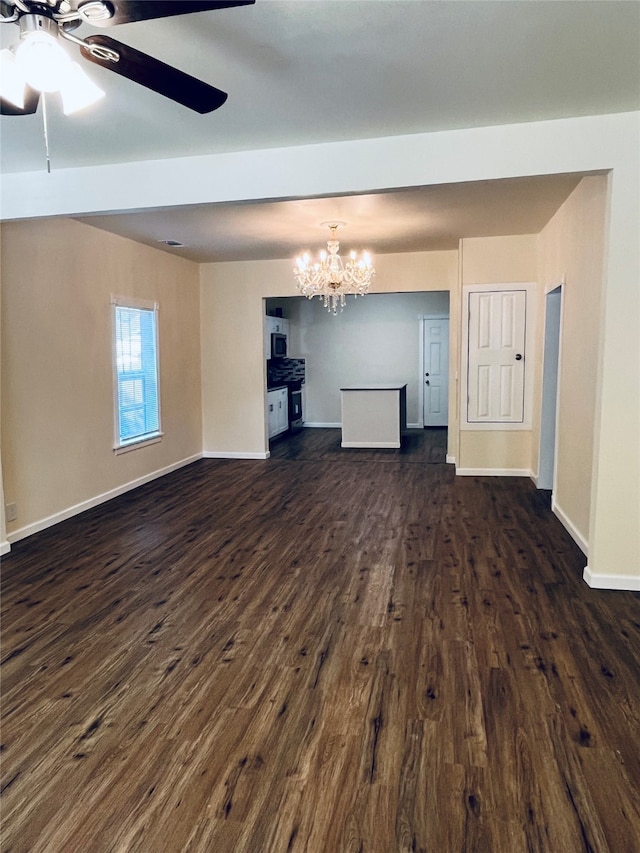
(277, 411)
(273, 325)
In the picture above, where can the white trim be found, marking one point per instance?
(534, 478)
(572, 530)
(384, 445)
(44, 523)
(130, 302)
(137, 443)
(493, 472)
(549, 288)
(229, 454)
(322, 426)
(5, 547)
(621, 582)
(415, 426)
(530, 289)
(450, 460)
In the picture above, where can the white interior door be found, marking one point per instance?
(495, 378)
(436, 371)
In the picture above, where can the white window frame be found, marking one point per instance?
(531, 290)
(149, 438)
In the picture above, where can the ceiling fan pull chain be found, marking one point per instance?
(46, 131)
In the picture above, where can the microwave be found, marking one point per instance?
(278, 345)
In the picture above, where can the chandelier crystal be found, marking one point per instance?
(332, 279)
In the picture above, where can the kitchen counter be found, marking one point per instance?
(373, 415)
(292, 384)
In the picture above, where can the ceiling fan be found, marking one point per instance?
(43, 23)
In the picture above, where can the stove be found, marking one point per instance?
(296, 420)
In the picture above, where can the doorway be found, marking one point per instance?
(550, 372)
(435, 371)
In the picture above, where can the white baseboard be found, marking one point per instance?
(450, 460)
(5, 547)
(572, 530)
(381, 445)
(493, 472)
(534, 478)
(322, 426)
(630, 583)
(57, 517)
(415, 426)
(227, 454)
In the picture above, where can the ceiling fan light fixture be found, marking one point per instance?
(42, 61)
(78, 90)
(12, 82)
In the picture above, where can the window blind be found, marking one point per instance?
(136, 368)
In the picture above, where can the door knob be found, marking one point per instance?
(518, 357)
(426, 382)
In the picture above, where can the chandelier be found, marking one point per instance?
(332, 279)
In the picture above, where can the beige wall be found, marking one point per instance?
(57, 382)
(571, 249)
(233, 364)
(495, 450)
(496, 260)
(614, 528)
(233, 367)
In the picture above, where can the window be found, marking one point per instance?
(136, 374)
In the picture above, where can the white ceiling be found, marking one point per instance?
(308, 71)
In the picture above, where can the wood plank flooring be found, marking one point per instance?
(327, 652)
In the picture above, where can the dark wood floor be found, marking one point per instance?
(322, 652)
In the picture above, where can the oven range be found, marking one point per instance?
(296, 419)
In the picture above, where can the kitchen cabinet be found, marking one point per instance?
(277, 411)
(273, 325)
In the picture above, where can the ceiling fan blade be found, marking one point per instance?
(156, 75)
(127, 11)
(31, 100)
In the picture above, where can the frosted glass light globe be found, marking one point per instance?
(43, 62)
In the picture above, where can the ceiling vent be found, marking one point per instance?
(175, 244)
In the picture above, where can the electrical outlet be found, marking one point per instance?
(11, 512)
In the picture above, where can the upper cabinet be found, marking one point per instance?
(276, 324)
(273, 325)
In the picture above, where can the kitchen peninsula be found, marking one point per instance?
(373, 415)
